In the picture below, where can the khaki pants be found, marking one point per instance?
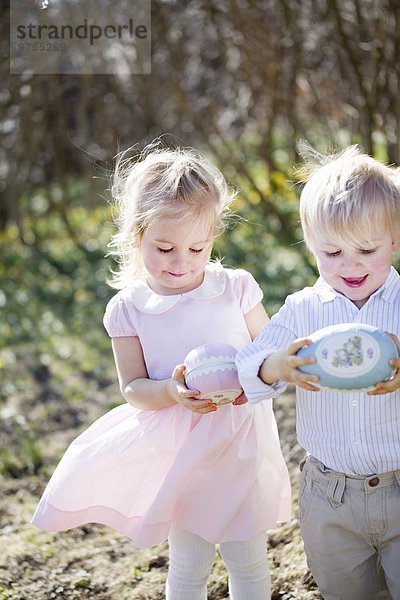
(351, 532)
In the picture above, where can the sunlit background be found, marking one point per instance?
(241, 80)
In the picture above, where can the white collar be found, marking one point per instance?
(149, 302)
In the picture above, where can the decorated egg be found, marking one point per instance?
(211, 370)
(350, 356)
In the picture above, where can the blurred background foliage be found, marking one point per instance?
(242, 80)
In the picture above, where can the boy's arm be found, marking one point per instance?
(393, 383)
(266, 365)
(249, 360)
(285, 365)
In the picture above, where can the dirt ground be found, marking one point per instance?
(95, 562)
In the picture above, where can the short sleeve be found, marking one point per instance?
(246, 289)
(118, 317)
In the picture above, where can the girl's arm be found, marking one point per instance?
(148, 394)
(256, 319)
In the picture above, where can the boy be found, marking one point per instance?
(349, 500)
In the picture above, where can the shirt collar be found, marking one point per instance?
(325, 292)
(389, 290)
(149, 302)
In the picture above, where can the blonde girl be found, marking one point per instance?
(168, 464)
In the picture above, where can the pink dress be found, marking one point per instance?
(221, 475)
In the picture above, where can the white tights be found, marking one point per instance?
(191, 558)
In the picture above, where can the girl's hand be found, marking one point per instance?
(188, 398)
(242, 399)
(392, 384)
(283, 365)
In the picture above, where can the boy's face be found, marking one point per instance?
(355, 272)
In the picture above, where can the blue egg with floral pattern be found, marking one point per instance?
(350, 356)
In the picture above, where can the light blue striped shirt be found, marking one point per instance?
(352, 433)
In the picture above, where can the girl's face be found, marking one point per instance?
(355, 272)
(175, 255)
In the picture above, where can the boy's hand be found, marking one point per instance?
(284, 365)
(393, 384)
(188, 398)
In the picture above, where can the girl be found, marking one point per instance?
(168, 464)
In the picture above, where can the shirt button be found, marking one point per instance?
(373, 482)
(354, 403)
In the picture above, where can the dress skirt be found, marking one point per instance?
(220, 476)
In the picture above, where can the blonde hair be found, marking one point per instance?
(346, 194)
(162, 183)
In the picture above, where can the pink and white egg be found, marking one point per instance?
(211, 370)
